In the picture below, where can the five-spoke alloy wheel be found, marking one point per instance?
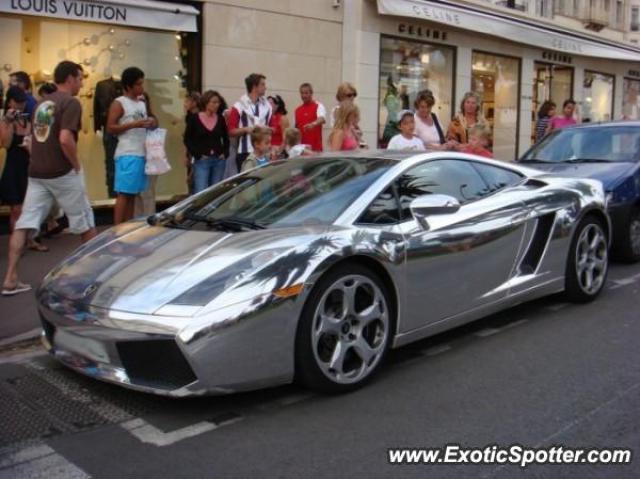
(345, 330)
(588, 261)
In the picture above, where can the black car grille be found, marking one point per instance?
(155, 363)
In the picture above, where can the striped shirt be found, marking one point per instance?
(541, 127)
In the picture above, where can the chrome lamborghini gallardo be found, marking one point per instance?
(312, 268)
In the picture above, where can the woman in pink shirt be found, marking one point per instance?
(344, 135)
(568, 108)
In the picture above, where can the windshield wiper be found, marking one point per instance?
(586, 160)
(229, 222)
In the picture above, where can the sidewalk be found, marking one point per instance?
(19, 317)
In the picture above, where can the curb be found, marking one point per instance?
(24, 339)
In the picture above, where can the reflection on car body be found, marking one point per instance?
(312, 268)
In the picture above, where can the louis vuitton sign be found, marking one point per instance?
(140, 13)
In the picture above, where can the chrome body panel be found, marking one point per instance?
(212, 293)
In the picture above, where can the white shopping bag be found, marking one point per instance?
(157, 163)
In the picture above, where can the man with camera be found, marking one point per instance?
(15, 131)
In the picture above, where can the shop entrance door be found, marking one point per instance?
(551, 82)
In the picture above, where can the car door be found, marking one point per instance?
(464, 260)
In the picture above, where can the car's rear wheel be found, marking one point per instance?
(344, 330)
(629, 245)
(588, 262)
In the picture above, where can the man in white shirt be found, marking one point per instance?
(405, 140)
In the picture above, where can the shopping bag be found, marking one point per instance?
(157, 163)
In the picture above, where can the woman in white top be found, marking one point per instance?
(428, 127)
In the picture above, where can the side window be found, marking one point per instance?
(455, 178)
(496, 177)
(383, 210)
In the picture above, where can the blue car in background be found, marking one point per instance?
(609, 152)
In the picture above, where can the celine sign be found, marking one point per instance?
(422, 32)
(139, 13)
(557, 57)
(524, 31)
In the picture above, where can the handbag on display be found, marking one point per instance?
(157, 162)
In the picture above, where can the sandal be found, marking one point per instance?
(16, 289)
(39, 247)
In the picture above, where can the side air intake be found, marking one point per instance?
(539, 241)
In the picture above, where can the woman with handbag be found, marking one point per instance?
(207, 140)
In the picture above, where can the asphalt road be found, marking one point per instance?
(542, 374)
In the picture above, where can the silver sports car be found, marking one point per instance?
(312, 268)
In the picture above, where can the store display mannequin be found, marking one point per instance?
(107, 90)
(393, 104)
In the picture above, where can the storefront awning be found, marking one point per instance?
(518, 30)
(135, 13)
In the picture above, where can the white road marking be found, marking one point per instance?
(619, 283)
(37, 461)
(434, 351)
(483, 333)
(149, 434)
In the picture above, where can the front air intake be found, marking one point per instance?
(157, 364)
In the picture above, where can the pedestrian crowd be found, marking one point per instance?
(43, 179)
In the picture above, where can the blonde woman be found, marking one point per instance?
(344, 136)
(346, 93)
(468, 117)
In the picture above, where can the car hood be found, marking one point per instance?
(138, 268)
(608, 173)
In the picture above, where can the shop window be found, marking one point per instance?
(405, 69)
(551, 82)
(496, 79)
(631, 99)
(635, 19)
(597, 97)
(38, 44)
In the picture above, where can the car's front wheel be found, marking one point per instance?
(588, 262)
(344, 330)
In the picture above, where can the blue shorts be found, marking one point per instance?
(130, 176)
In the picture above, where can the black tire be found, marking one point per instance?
(628, 246)
(313, 361)
(584, 261)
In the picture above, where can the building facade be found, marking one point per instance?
(514, 54)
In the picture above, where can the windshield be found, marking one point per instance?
(619, 143)
(285, 193)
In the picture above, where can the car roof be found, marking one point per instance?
(373, 154)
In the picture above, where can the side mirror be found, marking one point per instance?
(427, 205)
